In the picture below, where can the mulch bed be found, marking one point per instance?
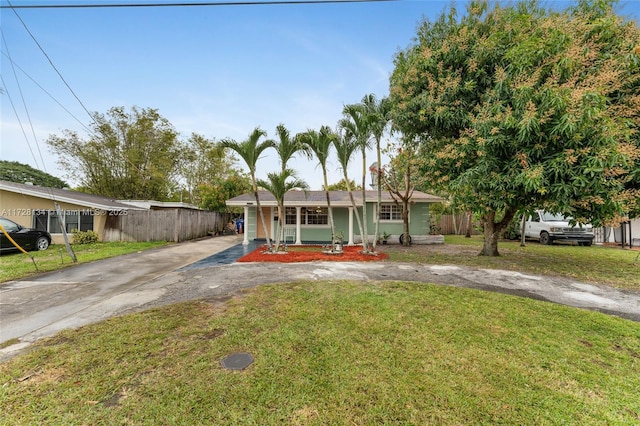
(309, 254)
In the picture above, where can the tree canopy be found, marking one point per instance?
(138, 154)
(129, 155)
(13, 171)
(208, 173)
(519, 107)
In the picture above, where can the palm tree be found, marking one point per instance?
(287, 146)
(277, 185)
(346, 146)
(356, 125)
(250, 151)
(319, 142)
(379, 117)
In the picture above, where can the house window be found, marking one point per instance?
(316, 216)
(47, 220)
(390, 212)
(308, 216)
(290, 215)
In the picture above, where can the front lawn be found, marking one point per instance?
(599, 265)
(340, 353)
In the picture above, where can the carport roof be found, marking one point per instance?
(319, 198)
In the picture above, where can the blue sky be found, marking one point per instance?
(216, 71)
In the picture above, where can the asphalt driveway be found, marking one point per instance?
(41, 306)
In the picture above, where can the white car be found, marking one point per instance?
(547, 228)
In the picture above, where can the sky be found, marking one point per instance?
(219, 71)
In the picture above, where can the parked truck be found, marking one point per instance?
(548, 228)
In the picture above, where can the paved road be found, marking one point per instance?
(42, 306)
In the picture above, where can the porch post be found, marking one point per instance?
(350, 226)
(298, 216)
(245, 240)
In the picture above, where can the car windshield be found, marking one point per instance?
(550, 217)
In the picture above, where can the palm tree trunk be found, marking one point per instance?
(279, 228)
(379, 188)
(365, 235)
(264, 225)
(329, 210)
(355, 209)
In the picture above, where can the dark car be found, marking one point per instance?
(27, 238)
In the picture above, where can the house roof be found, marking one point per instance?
(159, 205)
(66, 196)
(319, 198)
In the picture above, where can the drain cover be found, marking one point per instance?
(238, 361)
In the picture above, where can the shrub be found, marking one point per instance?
(84, 237)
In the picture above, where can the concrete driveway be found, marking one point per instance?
(41, 306)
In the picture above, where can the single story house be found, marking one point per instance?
(307, 218)
(34, 206)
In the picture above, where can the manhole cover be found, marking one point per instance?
(238, 361)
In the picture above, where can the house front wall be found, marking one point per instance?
(22, 209)
(418, 224)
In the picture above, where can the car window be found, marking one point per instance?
(10, 226)
(549, 217)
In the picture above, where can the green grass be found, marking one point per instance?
(20, 265)
(342, 353)
(601, 265)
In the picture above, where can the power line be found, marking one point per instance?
(46, 92)
(50, 61)
(187, 4)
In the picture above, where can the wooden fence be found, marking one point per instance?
(455, 225)
(162, 225)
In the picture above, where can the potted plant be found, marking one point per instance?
(385, 237)
(338, 241)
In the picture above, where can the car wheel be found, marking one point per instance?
(402, 239)
(586, 243)
(544, 238)
(42, 243)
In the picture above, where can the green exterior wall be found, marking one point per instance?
(418, 224)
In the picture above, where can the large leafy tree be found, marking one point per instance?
(13, 171)
(520, 106)
(342, 185)
(207, 168)
(128, 155)
(250, 151)
(214, 193)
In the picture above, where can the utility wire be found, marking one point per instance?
(184, 4)
(15, 111)
(46, 92)
(50, 61)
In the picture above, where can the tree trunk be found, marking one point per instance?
(329, 210)
(355, 210)
(492, 231)
(379, 188)
(364, 202)
(522, 229)
(405, 223)
(469, 224)
(264, 225)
